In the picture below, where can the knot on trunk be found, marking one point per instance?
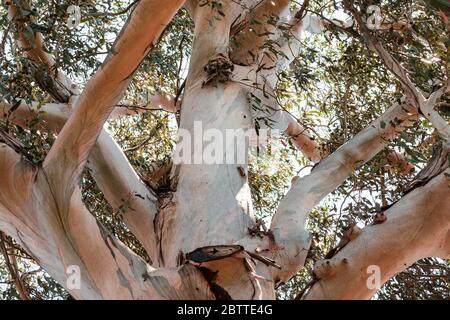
(157, 175)
(328, 267)
(259, 229)
(231, 272)
(350, 233)
(47, 79)
(219, 69)
(379, 218)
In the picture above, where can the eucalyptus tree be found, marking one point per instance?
(140, 156)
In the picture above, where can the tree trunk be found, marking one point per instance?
(198, 233)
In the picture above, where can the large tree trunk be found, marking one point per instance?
(197, 234)
(212, 203)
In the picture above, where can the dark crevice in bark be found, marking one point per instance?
(16, 146)
(105, 235)
(211, 276)
(212, 253)
(164, 201)
(124, 282)
(47, 80)
(181, 258)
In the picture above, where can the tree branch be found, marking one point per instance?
(255, 29)
(393, 65)
(416, 227)
(269, 108)
(289, 220)
(114, 175)
(113, 14)
(11, 264)
(75, 250)
(68, 155)
(110, 168)
(427, 108)
(155, 102)
(116, 178)
(212, 34)
(302, 140)
(55, 114)
(122, 187)
(287, 44)
(106, 87)
(32, 44)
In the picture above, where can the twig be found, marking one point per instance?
(113, 14)
(13, 269)
(5, 36)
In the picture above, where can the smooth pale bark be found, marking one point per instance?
(225, 211)
(212, 203)
(256, 29)
(59, 241)
(109, 167)
(427, 108)
(53, 200)
(207, 181)
(260, 85)
(223, 215)
(288, 224)
(418, 226)
(54, 114)
(302, 140)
